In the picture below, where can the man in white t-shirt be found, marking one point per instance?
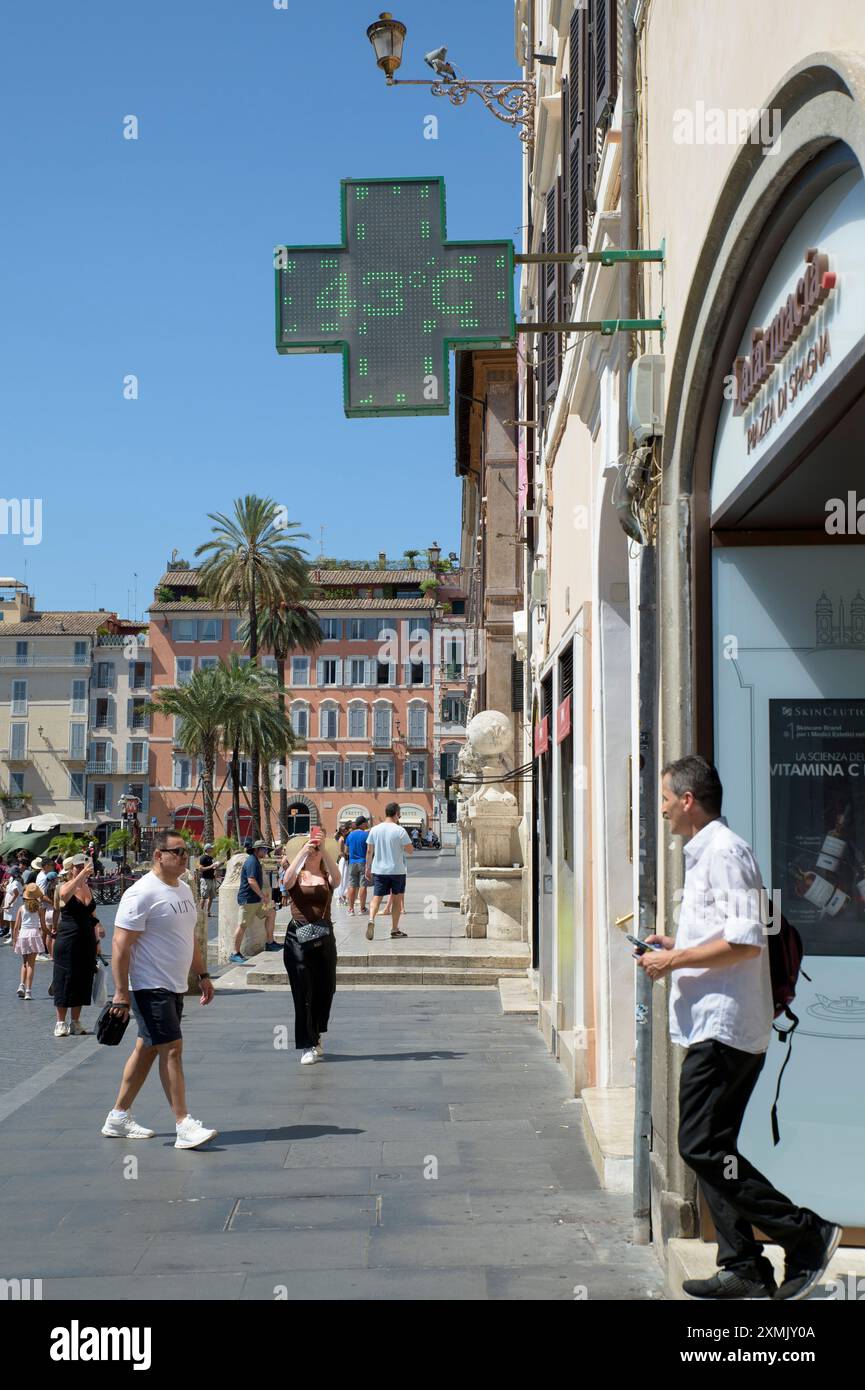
(152, 952)
(386, 847)
(721, 1011)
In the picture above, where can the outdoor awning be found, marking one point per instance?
(34, 843)
(412, 815)
(48, 820)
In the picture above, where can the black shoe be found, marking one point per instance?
(805, 1269)
(728, 1284)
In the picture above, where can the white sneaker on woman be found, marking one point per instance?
(308, 1057)
(191, 1133)
(76, 1030)
(61, 1030)
(27, 994)
(124, 1127)
(20, 991)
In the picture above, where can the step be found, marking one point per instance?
(697, 1259)
(453, 960)
(518, 997)
(429, 975)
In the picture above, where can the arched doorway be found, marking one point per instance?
(245, 824)
(190, 819)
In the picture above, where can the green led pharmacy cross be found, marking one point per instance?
(394, 297)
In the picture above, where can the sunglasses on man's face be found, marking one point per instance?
(181, 853)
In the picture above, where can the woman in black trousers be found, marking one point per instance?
(310, 956)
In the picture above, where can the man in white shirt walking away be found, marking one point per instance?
(386, 848)
(152, 952)
(721, 1011)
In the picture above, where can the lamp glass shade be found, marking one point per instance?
(387, 36)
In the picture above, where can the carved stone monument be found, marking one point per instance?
(492, 856)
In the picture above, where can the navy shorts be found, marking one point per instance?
(382, 884)
(157, 1013)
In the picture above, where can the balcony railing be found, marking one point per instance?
(136, 764)
(18, 755)
(40, 659)
(103, 766)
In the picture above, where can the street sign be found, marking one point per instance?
(394, 297)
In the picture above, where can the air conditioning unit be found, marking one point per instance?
(539, 586)
(646, 396)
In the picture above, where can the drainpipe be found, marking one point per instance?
(647, 636)
(646, 890)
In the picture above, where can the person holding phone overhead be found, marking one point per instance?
(78, 934)
(309, 883)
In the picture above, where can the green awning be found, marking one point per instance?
(35, 841)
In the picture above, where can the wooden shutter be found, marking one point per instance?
(578, 123)
(551, 288)
(516, 685)
(604, 46)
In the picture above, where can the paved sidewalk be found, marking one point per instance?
(320, 1183)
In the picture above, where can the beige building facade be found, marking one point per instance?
(686, 590)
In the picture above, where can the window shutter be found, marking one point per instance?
(319, 667)
(604, 45)
(339, 670)
(577, 124)
(130, 706)
(427, 678)
(551, 280)
(318, 776)
(516, 685)
(112, 712)
(338, 777)
(108, 792)
(391, 673)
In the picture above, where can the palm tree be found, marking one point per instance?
(254, 718)
(285, 628)
(252, 563)
(200, 709)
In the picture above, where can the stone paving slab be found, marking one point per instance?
(319, 1181)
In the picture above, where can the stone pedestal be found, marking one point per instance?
(502, 891)
(229, 914)
(492, 882)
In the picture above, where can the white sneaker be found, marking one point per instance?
(45, 960)
(319, 1049)
(27, 994)
(309, 1056)
(20, 991)
(124, 1127)
(76, 1030)
(61, 1030)
(191, 1133)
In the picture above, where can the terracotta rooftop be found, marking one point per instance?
(321, 605)
(372, 576)
(59, 624)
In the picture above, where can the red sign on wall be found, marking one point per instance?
(563, 719)
(542, 736)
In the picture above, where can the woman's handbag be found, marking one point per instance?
(111, 1027)
(311, 933)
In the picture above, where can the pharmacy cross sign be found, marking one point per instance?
(394, 297)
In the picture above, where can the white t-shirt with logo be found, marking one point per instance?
(164, 918)
(389, 841)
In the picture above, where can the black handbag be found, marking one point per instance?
(111, 1027)
(310, 934)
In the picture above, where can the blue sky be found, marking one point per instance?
(153, 257)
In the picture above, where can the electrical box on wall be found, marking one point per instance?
(539, 586)
(646, 396)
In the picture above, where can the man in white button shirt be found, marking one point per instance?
(721, 1011)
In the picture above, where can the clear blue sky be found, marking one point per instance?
(155, 257)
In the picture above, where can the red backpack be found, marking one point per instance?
(785, 967)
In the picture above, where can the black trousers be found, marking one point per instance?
(714, 1090)
(312, 976)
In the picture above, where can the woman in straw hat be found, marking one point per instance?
(28, 937)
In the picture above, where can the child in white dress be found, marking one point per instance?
(28, 936)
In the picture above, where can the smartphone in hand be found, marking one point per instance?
(642, 946)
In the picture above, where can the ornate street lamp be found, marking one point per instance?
(511, 102)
